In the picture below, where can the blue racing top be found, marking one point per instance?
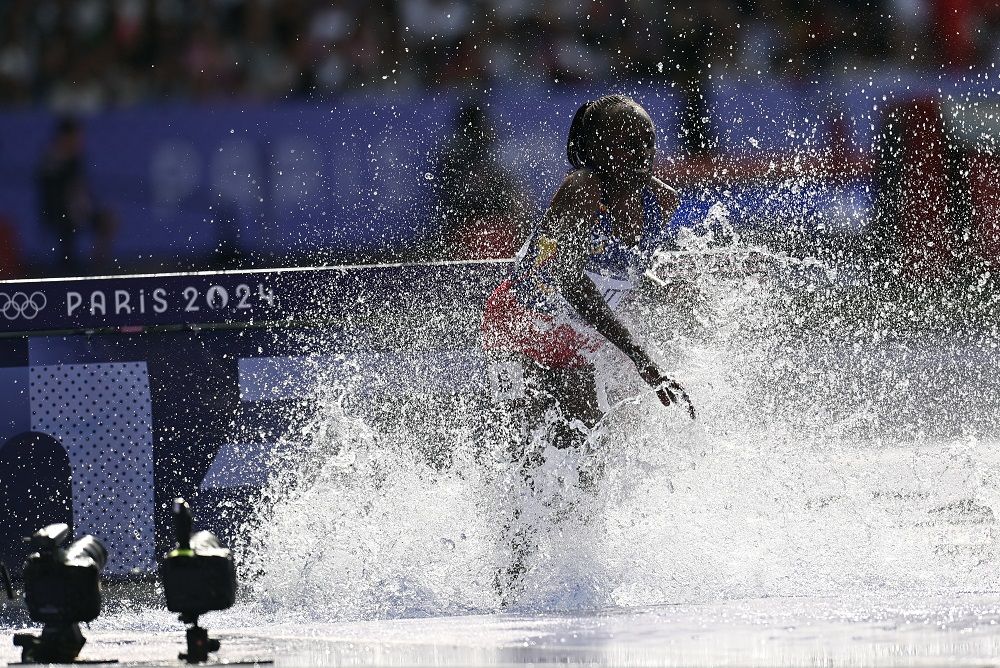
(613, 265)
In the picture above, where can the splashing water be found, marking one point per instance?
(834, 453)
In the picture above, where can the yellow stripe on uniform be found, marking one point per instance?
(546, 250)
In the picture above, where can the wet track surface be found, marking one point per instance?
(957, 629)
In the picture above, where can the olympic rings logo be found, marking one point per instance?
(21, 305)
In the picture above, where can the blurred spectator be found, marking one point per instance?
(987, 34)
(16, 66)
(482, 211)
(68, 208)
(692, 37)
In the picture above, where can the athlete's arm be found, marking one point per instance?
(570, 219)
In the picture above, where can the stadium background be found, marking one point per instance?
(232, 133)
(163, 135)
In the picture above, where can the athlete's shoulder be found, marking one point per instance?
(572, 209)
(583, 179)
(579, 187)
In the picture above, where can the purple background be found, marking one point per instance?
(348, 175)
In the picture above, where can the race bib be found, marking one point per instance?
(613, 290)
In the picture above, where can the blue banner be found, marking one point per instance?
(256, 298)
(102, 430)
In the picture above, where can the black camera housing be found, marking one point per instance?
(63, 586)
(200, 578)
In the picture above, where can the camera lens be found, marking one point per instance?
(203, 541)
(88, 546)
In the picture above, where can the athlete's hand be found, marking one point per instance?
(667, 389)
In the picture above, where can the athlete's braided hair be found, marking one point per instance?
(584, 131)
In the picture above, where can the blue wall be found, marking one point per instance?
(350, 174)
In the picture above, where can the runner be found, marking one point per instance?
(544, 324)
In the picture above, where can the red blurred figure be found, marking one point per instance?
(480, 207)
(11, 262)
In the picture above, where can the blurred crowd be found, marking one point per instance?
(76, 57)
(83, 55)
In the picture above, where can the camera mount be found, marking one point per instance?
(62, 587)
(198, 576)
(58, 643)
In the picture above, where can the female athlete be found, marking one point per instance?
(544, 324)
